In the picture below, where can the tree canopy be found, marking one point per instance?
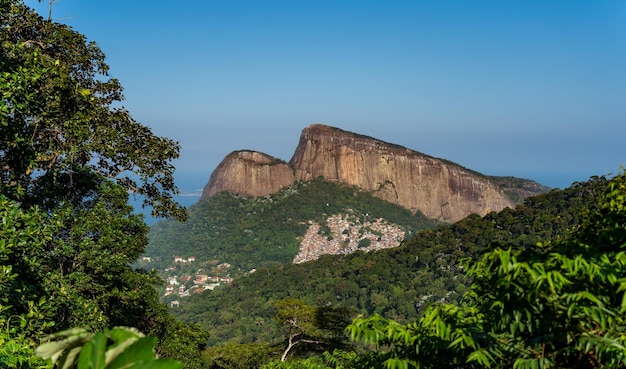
(70, 154)
(62, 126)
(559, 304)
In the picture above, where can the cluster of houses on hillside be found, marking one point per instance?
(348, 234)
(184, 286)
(188, 282)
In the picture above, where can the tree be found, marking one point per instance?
(317, 328)
(237, 355)
(69, 157)
(61, 128)
(24, 314)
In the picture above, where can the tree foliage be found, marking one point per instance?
(24, 313)
(561, 304)
(238, 356)
(69, 157)
(116, 348)
(61, 126)
(309, 328)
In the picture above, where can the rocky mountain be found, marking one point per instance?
(340, 193)
(397, 283)
(518, 188)
(437, 188)
(249, 174)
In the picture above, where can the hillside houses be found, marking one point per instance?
(186, 286)
(182, 283)
(346, 234)
(178, 259)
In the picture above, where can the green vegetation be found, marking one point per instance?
(539, 286)
(116, 348)
(559, 304)
(265, 231)
(68, 159)
(397, 283)
(308, 328)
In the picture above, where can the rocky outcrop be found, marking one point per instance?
(439, 189)
(518, 189)
(249, 174)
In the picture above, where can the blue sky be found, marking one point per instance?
(533, 88)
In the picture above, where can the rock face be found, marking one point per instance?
(439, 189)
(249, 174)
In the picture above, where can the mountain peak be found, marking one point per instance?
(438, 188)
(249, 173)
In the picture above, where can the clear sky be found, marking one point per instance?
(529, 88)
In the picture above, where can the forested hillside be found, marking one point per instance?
(266, 231)
(396, 283)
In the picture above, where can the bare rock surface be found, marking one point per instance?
(439, 189)
(249, 174)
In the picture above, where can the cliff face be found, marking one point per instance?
(439, 189)
(249, 174)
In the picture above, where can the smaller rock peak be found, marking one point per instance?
(253, 157)
(249, 173)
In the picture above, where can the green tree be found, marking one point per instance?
(69, 157)
(61, 128)
(237, 356)
(309, 328)
(24, 314)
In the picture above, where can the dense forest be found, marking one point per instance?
(265, 231)
(539, 286)
(397, 283)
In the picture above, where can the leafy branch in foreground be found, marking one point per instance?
(116, 348)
